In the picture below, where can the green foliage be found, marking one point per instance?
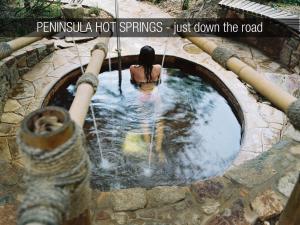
(94, 10)
(292, 2)
(289, 2)
(185, 5)
(4, 8)
(29, 9)
(39, 8)
(157, 1)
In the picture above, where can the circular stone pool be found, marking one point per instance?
(183, 131)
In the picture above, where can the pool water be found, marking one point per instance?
(181, 132)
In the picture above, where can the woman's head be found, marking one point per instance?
(146, 59)
(147, 55)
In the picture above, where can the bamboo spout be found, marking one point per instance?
(7, 48)
(85, 90)
(272, 92)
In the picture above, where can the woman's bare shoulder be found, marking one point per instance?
(157, 67)
(133, 67)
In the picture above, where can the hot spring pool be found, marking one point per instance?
(184, 131)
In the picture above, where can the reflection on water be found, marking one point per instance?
(183, 131)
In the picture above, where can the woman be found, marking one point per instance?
(146, 76)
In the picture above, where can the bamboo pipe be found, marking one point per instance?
(272, 92)
(7, 48)
(85, 91)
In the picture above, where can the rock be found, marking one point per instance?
(23, 70)
(293, 133)
(9, 175)
(295, 150)
(146, 213)
(104, 200)
(11, 72)
(72, 11)
(192, 49)
(293, 114)
(13, 76)
(159, 196)
(286, 184)
(267, 204)
(285, 55)
(254, 172)
(42, 50)
(4, 150)
(128, 199)
(8, 214)
(20, 56)
(102, 215)
(11, 118)
(210, 189)
(188, 216)
(24, 89)
(120, 217)
(210, 206)
(32, 59)
(11, 105)
(234, 215)
(7, 129)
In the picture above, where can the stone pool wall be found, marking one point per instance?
(19, 63)
(255, 191)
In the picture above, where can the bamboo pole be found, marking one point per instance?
(85, 91)
(272, 92)
(7, 48)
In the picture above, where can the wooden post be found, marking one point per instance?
(46, 131)
(291, 213)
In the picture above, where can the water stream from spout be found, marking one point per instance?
(148, 171)
(109, 57)
(104, 162)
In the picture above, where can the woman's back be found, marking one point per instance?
(145, 75)
(138, 74)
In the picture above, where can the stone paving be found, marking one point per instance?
(221, 200)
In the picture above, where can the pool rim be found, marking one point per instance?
(171, 61)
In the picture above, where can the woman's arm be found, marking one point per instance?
(131, 69)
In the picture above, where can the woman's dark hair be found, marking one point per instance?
(146, 59)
